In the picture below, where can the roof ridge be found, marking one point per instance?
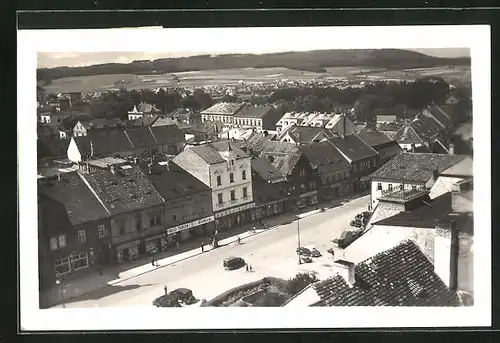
(126, 135)
(85, 181)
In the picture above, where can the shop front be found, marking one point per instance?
(308, 199)
(127, 251)
(156, 243)
(189, 230)
(235, 216)
(269, 209)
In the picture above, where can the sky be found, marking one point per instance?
(70, 59)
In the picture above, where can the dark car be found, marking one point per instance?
(303, 252)
(232, 263)
(183, 295)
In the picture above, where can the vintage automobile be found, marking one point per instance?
(314, 252)
(302, 251)
(183, 295)
(232, 263)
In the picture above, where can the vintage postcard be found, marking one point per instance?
(254, 178)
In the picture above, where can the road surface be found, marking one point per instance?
(271, 253)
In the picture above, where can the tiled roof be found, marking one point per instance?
(265, 169)
(454, 111)
(256, 142)
(47, 130)
(408, 135)
(161, 121)
(416, 167)
(52, 146)
(147, 108)
(126, 190)
(440, 117)
(388, 150)
(389, 126)
(325, 157)
(307, 134)
(210, 153)
(423, 129)
(254, 111)
(145, 121)
(430, 122)
(283, 156)
(140, 137)
(373, 137)
(167, 134)
(101, 123)
(353, 147)
(401, 276)
(80, 204)
(172, 184)
(227, 108)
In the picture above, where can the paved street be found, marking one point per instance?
(271, 253)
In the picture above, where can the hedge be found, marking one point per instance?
(218, 300)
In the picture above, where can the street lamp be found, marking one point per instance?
(59, 282)
(298, 229)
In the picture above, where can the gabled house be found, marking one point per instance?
(82, 127)
(73, 226)
(130, 142)
(305, 135)
(226, 169)
(399, 276)
(290, 119)
(411, 171)
(269, 189)
(389, 129)
(362, 158)
(442, 118)
(333, 169)
(258, 117)
(135, 206)
(188, 204)
(341, 124)
(222, 112)
(386, 147)
(142, 110)
(302, 179)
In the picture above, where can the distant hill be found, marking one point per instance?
(314, 61)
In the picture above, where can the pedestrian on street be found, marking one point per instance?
(152, 258)
(202, 247)
(165, 289)
(177, 244)
(246, 266)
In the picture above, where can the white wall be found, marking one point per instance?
(226, 187)
(73, 152)
(385, 186)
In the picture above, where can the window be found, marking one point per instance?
(401, 187)
(243, 174)
(152, 221)
(231, 177)
(233, 195)
(231, 163)
(57, 242)
(413, 187)
(336, 177)
(379, 186)
(79, 261)
(62, 266)
(312, 184)
(219, 180)
(101, 230)
(174, 217)
(390, 187)
(302, 172)
(138, 226)
(346, 174)
(368, 163)
(354, 168)
(81, 236)
(202, 207)
(245, 192)
(219, 198)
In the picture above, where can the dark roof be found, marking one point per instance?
(388, 150)
(99, 123)
(147, 108)
(79, 202)
(353, 147)
(172, 184)
(47, 130)
(437, 212)
(52, 146)
(436, 113)
(283, 156)
(392, 127)
(224, 108)
(416, 167)
(307, 134)
(401, 276)
(430, 122)
(143, 121)
(106, 141)
(373, 137)
(210, 153)
(325, 157)
(256, 142)
(254, 111)
(265, 169)
(126, 190)
(423, 129)
(454, 111)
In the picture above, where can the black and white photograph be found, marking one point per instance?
(303, 181)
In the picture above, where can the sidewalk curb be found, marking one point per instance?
(200, 253)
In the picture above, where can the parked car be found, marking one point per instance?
(232, 263)
(305, 259)
(314, 252)
(183, 295)
(302, 251)
(356, 223)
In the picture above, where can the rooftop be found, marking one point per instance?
(125, 190)
(417, 167)
(211, 153)
(283, 156)
(400, 276)
(265, 169)
(353, 147)
(373, 137)
(389, 126)
(408, 135)
(227, 108)
(325, 157)
(403, 195)
(254, 111)
(106, 161)
(309, 134)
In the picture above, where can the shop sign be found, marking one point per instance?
(155, 237)
(271, 203)
(303, 195)
(128, 245)
(234, 210)
(190, 225)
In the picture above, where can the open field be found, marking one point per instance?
(250, 75)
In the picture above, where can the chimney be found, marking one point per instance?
(112, 169)
(412, 147)
(346, 270)
(454, 251)
(451, 149)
